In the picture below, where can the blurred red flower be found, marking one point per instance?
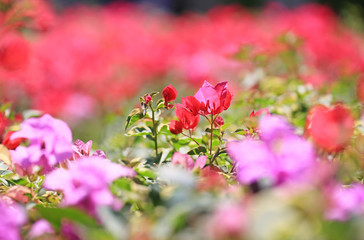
(330, 128)
(14, 52)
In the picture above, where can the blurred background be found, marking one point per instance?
(180, 6)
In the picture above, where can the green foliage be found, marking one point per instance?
(55, 216)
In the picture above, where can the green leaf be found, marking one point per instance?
(241, 131)
(121, 183)
(135, 115)
(146, 172)
(153, 94)
(338, 230)
(215, 132)
(55, 216)
(160, 104)
(197, 151)
(139, 131)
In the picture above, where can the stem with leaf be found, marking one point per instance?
(190, 137)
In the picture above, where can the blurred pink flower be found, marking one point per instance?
(40, 228)
(90, 194)
(227, 222)
(187, 162)
(280, 156)
(12, 218)
(344, 202)
(50, 143)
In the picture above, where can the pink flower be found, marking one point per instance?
(344, 201)
(281, 156)
(90, 194)
(186, 161)
(213, 100)
(12, 218)
(81, 149)
(50, 144)
(227, 222)
(40, 228)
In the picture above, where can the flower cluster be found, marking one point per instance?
(208, 101)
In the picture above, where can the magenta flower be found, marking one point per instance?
(85, 183)
(213, 100)
(186, 161)
(12, 218)
(81, 149)
(281, 155)
(50, 142)
(40, 228)
(344, 201)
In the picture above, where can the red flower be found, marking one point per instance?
(213, 100)
(4, 123)
(219, 121)
(11, 144)
(192, 104)
(188, 120)
(330, 128)
(169, 94)
(175, 127)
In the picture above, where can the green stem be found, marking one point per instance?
(212, 129)
(155, 134)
